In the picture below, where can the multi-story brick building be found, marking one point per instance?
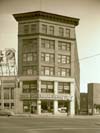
(48, 65)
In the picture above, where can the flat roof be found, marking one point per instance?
(46, 16)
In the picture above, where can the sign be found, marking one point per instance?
(7, 62)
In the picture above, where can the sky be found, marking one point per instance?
(87, 32)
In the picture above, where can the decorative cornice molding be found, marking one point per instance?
(46, 16)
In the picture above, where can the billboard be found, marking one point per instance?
(8, 62)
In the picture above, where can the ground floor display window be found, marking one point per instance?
(46, 106)
(29, 106)
(63, 106)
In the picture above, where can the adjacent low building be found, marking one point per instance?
(83, 103)
(94, 98)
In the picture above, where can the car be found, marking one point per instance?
(6, 113)
(62, 109)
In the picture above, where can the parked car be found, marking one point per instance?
(6, 113)
(62, 109)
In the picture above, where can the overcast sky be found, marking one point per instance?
(87, 33)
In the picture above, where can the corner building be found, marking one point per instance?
(48, 67)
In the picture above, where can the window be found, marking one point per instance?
(64, 72)
(44, 29)
(68, 60)
(27, 57)
(67, 33)
(61, 31)
(12, 105)
(34, 57)
(64, 59)
(33, 28)
(30, 70)
(48, 71)
(26, 106)
(29, 45)
(47, 87)
(26, 28)
(6, 105)
(51, 30)
(47, 57)
(65, 46)
(63, 87)
(29, 86)
(12, 93)
(68, 47)
(49, 44)
(6, 93)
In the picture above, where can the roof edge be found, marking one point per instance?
(47, 16)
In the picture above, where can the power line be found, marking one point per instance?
(87, 57)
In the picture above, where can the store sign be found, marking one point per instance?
(7, 62)
(55, 97)
(44, 96)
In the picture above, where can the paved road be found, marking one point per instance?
(49, 125)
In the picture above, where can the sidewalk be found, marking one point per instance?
(63, 116)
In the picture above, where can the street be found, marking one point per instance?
(49, 125)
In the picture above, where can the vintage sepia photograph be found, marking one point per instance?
(49, 66)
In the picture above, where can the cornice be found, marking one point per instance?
(46, 16)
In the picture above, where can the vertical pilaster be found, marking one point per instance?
(38, 107)
(18, 102)
(55, 101)
(55, 106)
(72, 102)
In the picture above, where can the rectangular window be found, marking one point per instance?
(51, 30)
(64, 72)
(31, 70)
(64, 59)
(47, 57)
(67, 33)
(48, 71)
(29, 45)
(6, 105)
(47, 87)
(33, 28)
(68, 47)
(12, 105)
(34, 57)
(26, 28)
(6, 93)
(64, 87)
(61, 31)
(29, 86)
(49, 44)
(68, 60)
(44, 29)
(26, 106)
(12, 93)
(65, 46)
(28, 57)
